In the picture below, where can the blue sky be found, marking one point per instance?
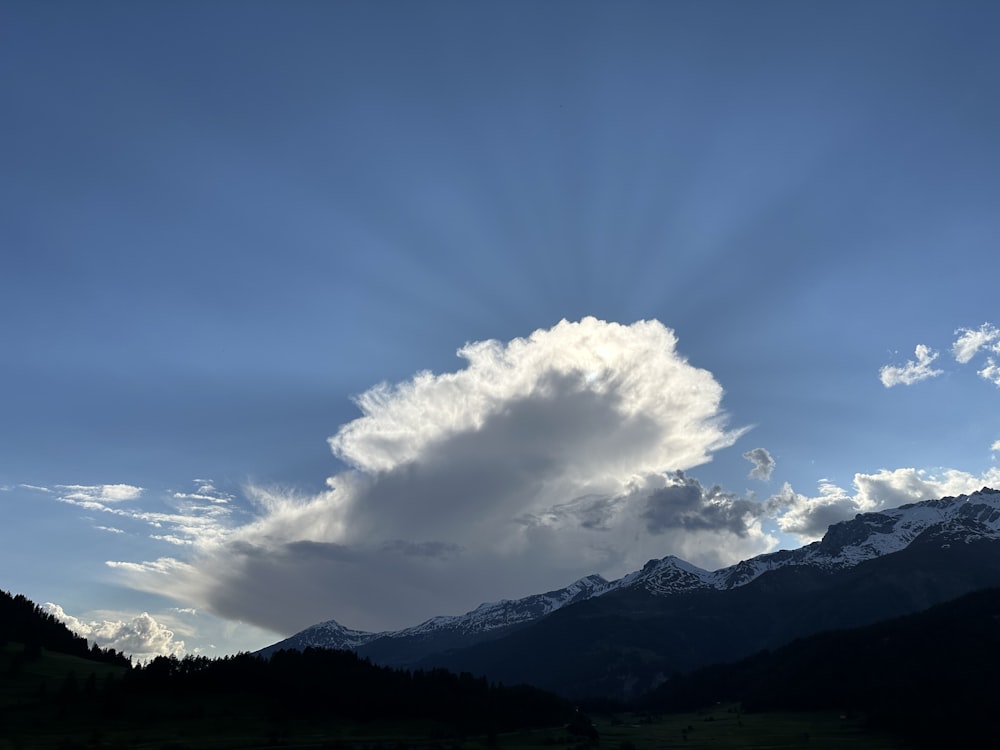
(225, 224)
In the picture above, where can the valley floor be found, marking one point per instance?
(726, 727)
(721, 728)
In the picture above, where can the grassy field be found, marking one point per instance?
(719, 729)
(725, 727)
(24, 678)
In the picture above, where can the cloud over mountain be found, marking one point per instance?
(544, 458)
(809, 517)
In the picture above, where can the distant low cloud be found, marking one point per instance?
(763, 463)
(809, 517)
(141, 636)
(995, 446)
(544, 459)
(913, 371)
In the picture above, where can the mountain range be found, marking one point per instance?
(620, 638)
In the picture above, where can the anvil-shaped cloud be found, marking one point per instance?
(544, 458)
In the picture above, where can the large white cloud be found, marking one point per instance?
(543, 459)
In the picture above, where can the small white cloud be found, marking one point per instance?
(140, 636)
(995, 446)
(913, 371)
(763, 463)
(971, 340)
(991, 372)
(110, 529)
(35, 488)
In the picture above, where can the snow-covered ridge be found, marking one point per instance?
(492, 615)
(845, 544)
(330, 632)
(871, 535)
(483, 619)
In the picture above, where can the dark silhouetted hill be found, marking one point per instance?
(931, 676)
(23, 621)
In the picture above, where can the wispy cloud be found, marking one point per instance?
(207, 491)
(101, 493)
(913, 371)
(192, 517)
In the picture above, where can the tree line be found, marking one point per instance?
(338, 684)
(311, 685)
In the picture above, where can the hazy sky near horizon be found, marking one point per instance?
(378, 310)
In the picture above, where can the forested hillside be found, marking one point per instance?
(24, 622)
(56, 692)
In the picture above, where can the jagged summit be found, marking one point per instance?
(944, 521)
(326, 633)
